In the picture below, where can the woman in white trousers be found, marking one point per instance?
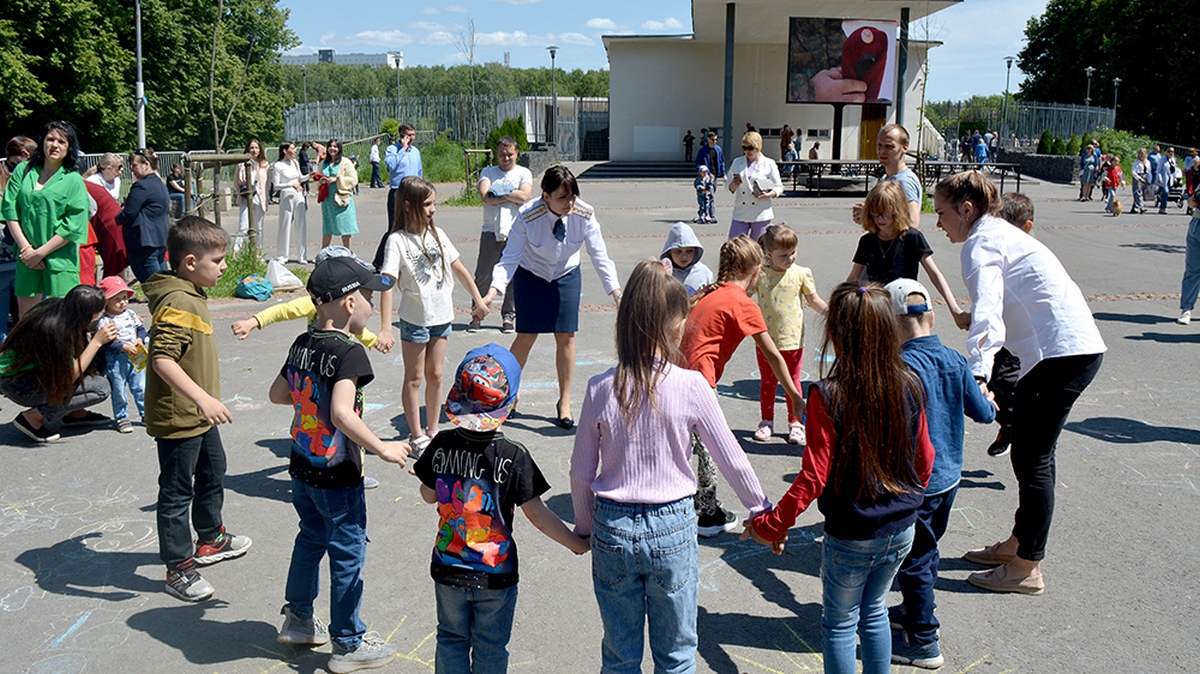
(293, 210)
(251, 182)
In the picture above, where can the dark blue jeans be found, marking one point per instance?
(146, 262)
(474, 627)
(191, 474)
(918, 571)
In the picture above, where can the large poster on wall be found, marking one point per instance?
(841, 61)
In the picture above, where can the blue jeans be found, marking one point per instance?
(333, 522)
(120, 372)
(1191, 267)
(473, 629)
(146, 262)
(1164, 193)
(856, 576)
(645, 565)
(919, 570)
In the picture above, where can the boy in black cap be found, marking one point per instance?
(322, 380)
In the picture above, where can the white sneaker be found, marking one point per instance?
(1185, 318)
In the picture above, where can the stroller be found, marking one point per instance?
(1175, 193)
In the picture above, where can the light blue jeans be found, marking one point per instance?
(474, 627)
(121, 372)
(1191, 267)
(856, 576)
(645, 566)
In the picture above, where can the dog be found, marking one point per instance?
(1117, 207)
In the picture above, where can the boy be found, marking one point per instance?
(684, 250)
(503, 190)
(183, 388)
(322, 380)
(122, 352)
(1017, 210)
(476, 476)
(949, 388)
(704, 186)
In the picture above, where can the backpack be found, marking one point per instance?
(254, 287)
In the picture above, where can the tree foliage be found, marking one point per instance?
(1148, 44)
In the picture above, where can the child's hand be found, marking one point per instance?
(856, 212)
(480, 312)
(214, 411)
(130, 349)
(749, 532)
(243, 327)
(963, 320)
(394, 451)
(583, 547)
(385, 342)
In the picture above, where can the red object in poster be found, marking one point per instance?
(864, 58)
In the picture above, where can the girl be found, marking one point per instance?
(251, 182)
(867, 464)
(293, 210)
(338, 217)
(631, 484)
(46, 208)
(45, 363)
(892, 248)
(724, 316)
(419, 258)
(780, 288)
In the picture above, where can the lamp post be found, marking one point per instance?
(304, 76)
(1087, 99)
(1116, 85)
(140, 89)
(551, 137)
(397, 64)
(1008, 61)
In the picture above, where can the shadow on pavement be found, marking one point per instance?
(73, 569)
(975, 479)
(1128, 431)
(800, 633)
(1141, 319)
(260, 484)
(1163, 338)
(1157, 247)
(190, 629)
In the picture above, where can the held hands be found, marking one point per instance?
(749, 532)
(480, 312)
(243, 327)
(580, 545)
(214, 411)
(385, 342)
(489, 298)
(394, 451)
(963, 320)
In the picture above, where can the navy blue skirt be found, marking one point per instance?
(547, 306)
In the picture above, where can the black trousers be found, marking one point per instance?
(191, 475)
(391, 211)
(1003, 384)
(1043, 400)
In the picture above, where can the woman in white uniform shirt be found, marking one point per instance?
(752, 212)
(293, 210)
(541, 259)
(1022, 299)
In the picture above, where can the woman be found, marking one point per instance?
(541, 259)
(293, 210)
(338, 217)
(176, 189)
(251, 183)
(107, 174)
(44, 364)
(1022, 299)
(785, 139)
(1087, 172)
(754, 181)
(46, 208)
(144, 217)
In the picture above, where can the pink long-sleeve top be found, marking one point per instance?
(647, 460)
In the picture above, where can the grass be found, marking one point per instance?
(441, 162)
(243, 263)
(469, 197)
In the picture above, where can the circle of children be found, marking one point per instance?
(884, 429)
(1157, 178)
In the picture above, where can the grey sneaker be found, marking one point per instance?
(187, 584)
(369, 482)
(226, 546)
(371, 652)
(124, 425)
(311, 632)
(473, 326)
(1184, 318)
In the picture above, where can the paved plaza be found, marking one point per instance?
(81, 586)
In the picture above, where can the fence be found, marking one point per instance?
(1022, 123)
(463, 118)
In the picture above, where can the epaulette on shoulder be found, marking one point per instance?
(535, 212)
(581, 211)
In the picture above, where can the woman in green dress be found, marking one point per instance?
(337, 211)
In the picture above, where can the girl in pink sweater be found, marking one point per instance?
(632, 482)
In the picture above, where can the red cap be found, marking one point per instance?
(111, 285)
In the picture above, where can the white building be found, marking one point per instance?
(387, 60)
(663, 85)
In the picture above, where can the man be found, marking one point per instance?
(890, 146)
(503, 189)
(689, 142)
(403, 160)
(1165, 178)
(376, 179)
(711, 156)
(814, 152)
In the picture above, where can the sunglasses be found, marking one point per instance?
(746, 148)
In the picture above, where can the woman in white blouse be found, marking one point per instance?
(251, 183)
(754, 180)
(293, 210)
(1022, 299)
(541, 259)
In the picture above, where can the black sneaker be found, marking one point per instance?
(1000, 446)
(186, 583)
(508, 326)
(88, 419)
(42, 434)
(716, 522)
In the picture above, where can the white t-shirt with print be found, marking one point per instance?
(423, 277)
(519, 175)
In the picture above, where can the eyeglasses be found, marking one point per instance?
(747, 148)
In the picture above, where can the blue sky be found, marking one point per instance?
(978, 34)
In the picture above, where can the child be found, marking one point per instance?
(631, 485)
(705, 187)
(722, 317)
(892, 248)
(1017, 209)
(867, 467)
(323, 380)
(476, 476)
(184, 387)
(781, 285)
(949, 390)
(1113, 179)
(684, 249)
(418, 258)
(131, 338)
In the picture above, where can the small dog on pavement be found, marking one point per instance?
(1117, 207)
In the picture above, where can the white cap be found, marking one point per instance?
(900, 289)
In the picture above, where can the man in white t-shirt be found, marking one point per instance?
(503, 189)
(891, 145)
(376, 179)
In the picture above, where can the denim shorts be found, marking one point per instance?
(420, 334)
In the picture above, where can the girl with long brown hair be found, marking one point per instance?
(631, 483)
(868, 460)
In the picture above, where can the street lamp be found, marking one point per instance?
(1008, 61)
(552, 135)
(1087, 100)
(140, 88)
(1116, 85)
(304, 75)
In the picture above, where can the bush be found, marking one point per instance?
(468, 197)
(390, 128)
(1123, 144)
(1074, 145)
(1046, 142)
(510, 127)
(1058, 147)
(442, 161)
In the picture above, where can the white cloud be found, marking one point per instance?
(448, 9)
(575, 38)
(380, 38)
(430, 27)
(302, 50)
(522, 39)
(602, 24)
(328, 38)
(669, 23)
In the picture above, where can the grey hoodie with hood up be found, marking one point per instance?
(696, 275)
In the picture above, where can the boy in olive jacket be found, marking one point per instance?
(183, 408)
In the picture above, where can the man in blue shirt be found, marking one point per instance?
(949, 391)
(711, 156)
(403, 160)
